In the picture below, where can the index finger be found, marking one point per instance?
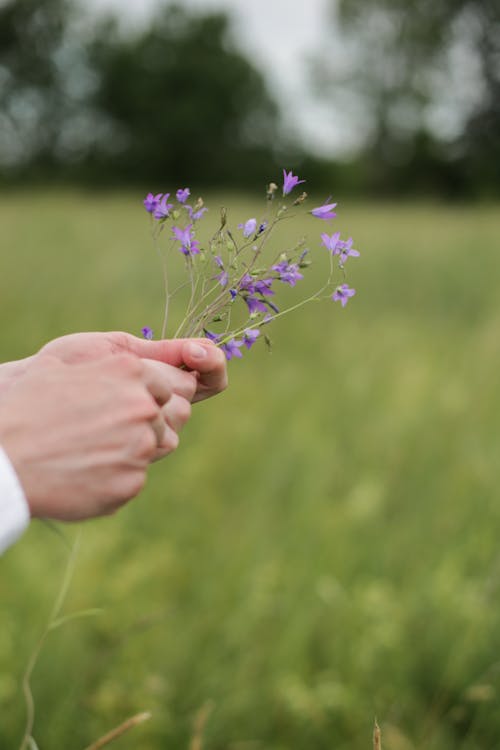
(163, 380)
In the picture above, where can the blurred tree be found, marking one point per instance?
(424, 81)
(183, 104)
(31, 93)
(174, 101)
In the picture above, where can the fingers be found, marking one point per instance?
(164, 380)
(199, 355)
(159, 428)
(175, 413)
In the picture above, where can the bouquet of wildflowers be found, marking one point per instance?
(231, 280)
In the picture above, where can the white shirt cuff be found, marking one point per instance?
(14, 510)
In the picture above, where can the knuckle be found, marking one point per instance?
(183, 410)
(146, 444)
(144, 406)
(170, 442)
(128, 364)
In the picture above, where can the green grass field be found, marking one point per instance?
(323, 548)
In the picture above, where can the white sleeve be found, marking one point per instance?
(14, 511)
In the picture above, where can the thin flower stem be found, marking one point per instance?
(315, 296)
(26, 682)
(118, 731)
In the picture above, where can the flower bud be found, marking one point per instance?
(271, 189)
(300, 199)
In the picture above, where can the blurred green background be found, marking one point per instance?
(323, 546)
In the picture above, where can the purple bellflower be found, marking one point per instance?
(151, 201)
(263, 286)
(347, 250)
(189, 246)
(147, 332)
(255, 305)
(332, 242)
(195, 215)
(342, 294)
(248, 227)
(183, 194)
(232, 349)
(162, 210)
(250, 336)
(223, 276)
(288, 272)
(215, 337)
(290, 181)
(325, 211)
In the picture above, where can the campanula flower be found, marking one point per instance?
(331, 242)
(250, 336)
(255, 305)
(288, 272)
(342, 294)
(215, 337)
(196, 213)
(325, 211)
(189, 246)
(162, 210)
(248, 227)
(147, 332)
(183, 194)
(347, 250)
(151, 201)
(232, 349)
(290, 181)
(263, 286)
(223, 276)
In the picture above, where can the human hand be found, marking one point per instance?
(199, 356)
(81, 437)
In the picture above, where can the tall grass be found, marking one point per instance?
(323, 547)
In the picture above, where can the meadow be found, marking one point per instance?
(324, 546)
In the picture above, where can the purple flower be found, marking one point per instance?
(247, 284)
(342, 294)
(255, 305)
(147, 332)
(289, 272)
(151, 201)
(183, 194)
(223, 276)
(347, 250)
(189, 246)
(331, 242)
(215, 337)
(195, 215)
(250, 336)
(290, 181)
(262, 227)
(233, 293)
(162, 210)
(325, 211)
(232, 349)
(248, 227)
(263, 286)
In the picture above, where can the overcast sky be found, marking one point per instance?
(278, 36)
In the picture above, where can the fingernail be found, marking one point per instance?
(197, 351)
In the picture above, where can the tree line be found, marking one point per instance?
(176, 101)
